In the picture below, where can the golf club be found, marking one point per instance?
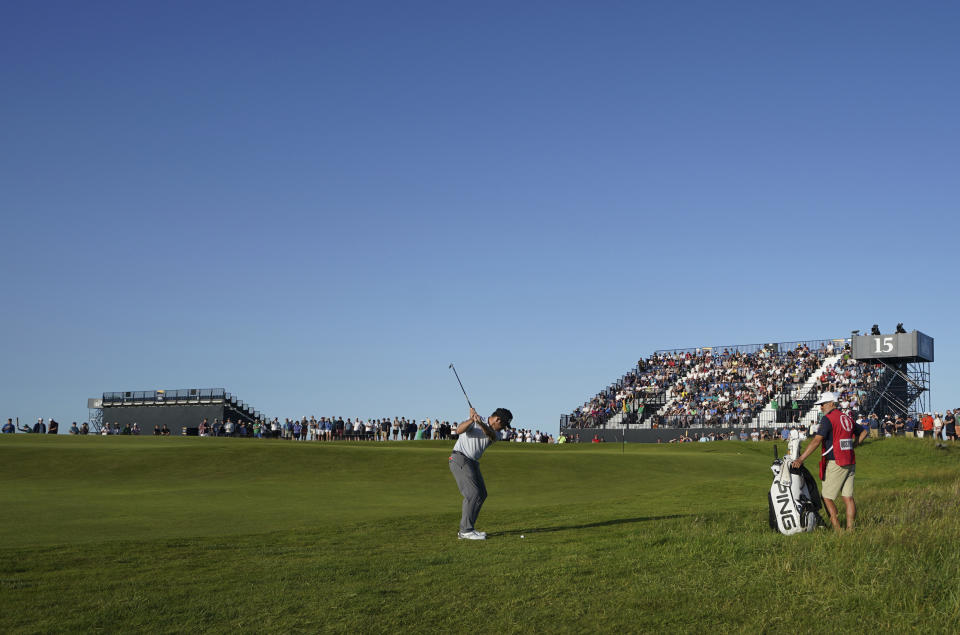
(461, 384)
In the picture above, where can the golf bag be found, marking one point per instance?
(794, 497)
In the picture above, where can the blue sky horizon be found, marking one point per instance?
(320, 206)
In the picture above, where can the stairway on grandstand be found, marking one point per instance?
(806, 394)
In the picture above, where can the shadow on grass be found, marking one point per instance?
(601, 523)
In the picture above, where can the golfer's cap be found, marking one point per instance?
(825, 398)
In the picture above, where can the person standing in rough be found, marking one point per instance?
(837, 433)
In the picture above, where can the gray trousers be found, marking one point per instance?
(470, 482)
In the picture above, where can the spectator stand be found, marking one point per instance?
(759, 386)
(180, 410)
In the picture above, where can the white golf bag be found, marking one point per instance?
(794, 497)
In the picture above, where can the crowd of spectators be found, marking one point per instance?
(336, 429)
(729, 388)
(645, 384)
(311, 429)
(930, 425)
(302, 429)
(40, 427)
(328, 429)
(703, 386)
(743, 434)
(531, 436)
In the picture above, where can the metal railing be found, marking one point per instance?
(780, 347)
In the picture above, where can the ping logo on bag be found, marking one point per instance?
(793, 499)
(785, 507)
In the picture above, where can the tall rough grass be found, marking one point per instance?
(175, 535)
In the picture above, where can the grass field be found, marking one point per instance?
(122, 534)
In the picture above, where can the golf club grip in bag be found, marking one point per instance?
(794, 503)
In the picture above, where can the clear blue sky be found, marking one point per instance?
(319, 206)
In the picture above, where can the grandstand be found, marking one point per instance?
(180, 410)
(755, 386)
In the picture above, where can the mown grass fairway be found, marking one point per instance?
(124, 534)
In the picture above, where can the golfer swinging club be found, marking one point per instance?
(474, 436)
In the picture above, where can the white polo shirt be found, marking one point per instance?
(472, 442)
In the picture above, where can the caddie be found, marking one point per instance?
(837, 435)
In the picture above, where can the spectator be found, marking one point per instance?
(54, 427)
(873, 423)
(910, 426)
(950, 426)
(888, 427)
(927, 426)
(8, 427)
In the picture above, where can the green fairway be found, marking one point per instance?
(187, 534)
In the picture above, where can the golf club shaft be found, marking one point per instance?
(454, 368)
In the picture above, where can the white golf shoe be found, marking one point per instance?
(472, 535)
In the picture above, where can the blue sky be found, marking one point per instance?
(319, 206)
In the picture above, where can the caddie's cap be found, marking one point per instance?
(825, 398)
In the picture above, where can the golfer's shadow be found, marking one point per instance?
(601, 523)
